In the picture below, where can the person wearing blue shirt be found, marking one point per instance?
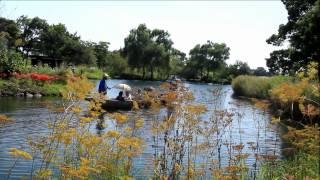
(103, 85)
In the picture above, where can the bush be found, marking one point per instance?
(45, 69)
(10, 61)
(53, 89)
(89, 72)
(256, 87)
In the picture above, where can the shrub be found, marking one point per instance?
(251, 86)
(89, 72)
(54, 89)
(256, 87)
(10, 61)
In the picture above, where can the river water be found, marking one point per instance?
(30, 117)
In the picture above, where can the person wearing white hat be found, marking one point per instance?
(103, 85)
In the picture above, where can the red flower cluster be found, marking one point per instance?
(36, 76)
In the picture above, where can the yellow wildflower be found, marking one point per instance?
(120, 118)
(114, 134)
(85, 119)
(139, 123)
(94, 113)
(177, 167)
(128, 130)
(76, 109)
(19, 153)
(4, 118)
(135, 105)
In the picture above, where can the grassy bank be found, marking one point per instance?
(257, 86)
(21, 87)
(296, 98)
(293, 96)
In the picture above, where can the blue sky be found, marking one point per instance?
(242, 25)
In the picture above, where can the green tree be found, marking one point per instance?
(260, 71)
(239, 68)
(101, 53)
(31, 31)
(208, 57)
(59, 44)
(177, 61)
(302, 32)
(115, 63)
(10, 31)
(135, 46)
(148, 49)
(78, 52)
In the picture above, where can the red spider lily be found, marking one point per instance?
(36, 76)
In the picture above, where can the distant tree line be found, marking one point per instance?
(147, 53)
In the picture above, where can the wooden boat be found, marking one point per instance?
(111, 105)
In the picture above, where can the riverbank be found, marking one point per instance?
(30, 88)
(293, 97)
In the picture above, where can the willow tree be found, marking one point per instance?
(148, 49)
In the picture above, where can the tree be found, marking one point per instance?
(59, 44)
(209, 56)
(10, 32)
(53, 41)
(101, 53)
(135, 45)
(239, 68)
(177, 61)
(260, 71)
(147, 48)
(31, 31)
(115, 63)
(302, 32)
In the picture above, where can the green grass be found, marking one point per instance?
(299, 166)
(256, 86)
(13, 86)
(53, 89)
(2, 82)
(89, 72)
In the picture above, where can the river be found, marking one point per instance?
(30, 117)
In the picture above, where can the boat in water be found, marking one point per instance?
(111, 105)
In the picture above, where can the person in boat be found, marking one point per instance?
(120, 96)
(128, 96)
(103, 85)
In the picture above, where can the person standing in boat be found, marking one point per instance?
(103, 85)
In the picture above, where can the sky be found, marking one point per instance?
(243, 25)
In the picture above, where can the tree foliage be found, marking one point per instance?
(301, 32)
(208, 57)
(148, 49)
(239, 68)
